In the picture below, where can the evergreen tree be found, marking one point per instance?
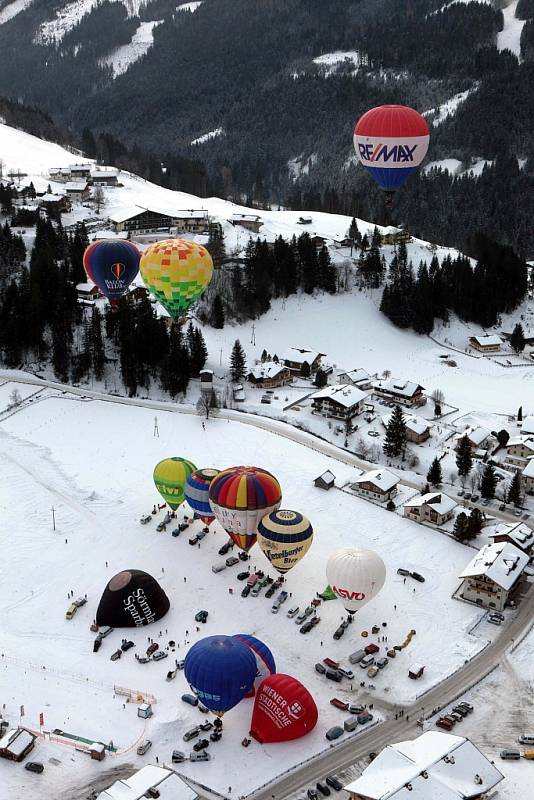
(517, 339)
(395, 441)
(488, 483)
(464, 457)
(198, 352)
(305, 370)
(217, 312)
(97, 345)
(474, 523)
(175, 370)
(520, 414)
(237, 362)
(215, 245)
(503, 437)
(327, 271)
(321, 379)
(434, 475)
(461, 523)
(515, 492)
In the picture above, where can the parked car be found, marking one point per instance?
(270, 591)
(357, 656)
(202, 756)
(232, 561)
(219, 567)
(338, 633)
(469, 707)
(71, 611)
(34, 766)
(475, 497)
(215, 736)
(127, 645)
(201, 745)
(282, 597)
(373, 671)
(510, 755)
(242, 556)
(372, 648)
(206, 726)
(334, 733)
(201, 616)
(526, 738)
(202, 708)
(160, 655)
(367, 661)
(293, 612)
(252, 579)
(404, 572)
(347, 673)
(467, 495)
(242, 576)
(312, 794)
(180, 664)
(201, 534)
(191, 699)
(456, 716)
(416, 576)
(145, 519)
(193, 540)
(445, 724)
(178, 756)
(304, 614)
(334, 783)
(227, 546)
(331, 663)
(494, 621)
(324, 790)
(306, 628)
(354, 709)
(192, 733)
(502, 507)
(333, 675)
(315, 620)
(151, 649)
(160, 526)
(116, 655)
(144, 747)
(497, 615)
(246, 590)
(460, 710)
(364, 718)
(382, 662)
(337, 703)
(175, 532)
(461, 493)
(320, 668)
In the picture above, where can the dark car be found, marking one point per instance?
(193, 540)
(96, 645)
(315, 620)
(175, 532)
(191, 699)
(242, 576)
(337, 703)
(201, 616)
(160, 655)
(417, 577)
(338, 633)
(306, 628)
(242, 556)
(333, 675)
(246, 591)
(334, 733)
(34, 766)
(127, 645)
(201, 745)
(226, 547)
(271, 590)
(320, 668)
(334, 783)
(202, 708)
(403, 572)
(151, 649)
(312, 794)
(231, 561)
(206, 726)
(116, 655)
(215, 736)
(325, 791)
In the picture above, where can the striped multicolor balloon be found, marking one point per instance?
(240, 497)
(196, 491)
(285, 537)
(170, 476)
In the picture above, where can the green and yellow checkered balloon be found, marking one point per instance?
(176, 271)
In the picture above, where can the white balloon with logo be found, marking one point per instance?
(355, 576)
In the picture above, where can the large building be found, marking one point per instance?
(405, 393)
(357, 377)
(435, 766)
(519, 534)
(269, 375)
(486, 344)
(479, 438)
(294, 358)
(434, 508)
(392, 235)
(251, 222)
(77, 191)
(150, 781)
(528, 477)
(519, 450)
(377, 484)
(493, 574)
(144, 220)
(339, 402)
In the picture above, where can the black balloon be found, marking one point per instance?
(132, 599)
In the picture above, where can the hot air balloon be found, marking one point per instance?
(391, 142)
(111, 264)
(265, 663)
(131, 599)
(220, 670)
(196, 491)
(285, 537)
(170, 476)
(283, 710)
(240, 497)
(176, 271)
(356, 576)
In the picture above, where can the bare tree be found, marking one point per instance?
(99, 199)
(207, 404)
(14, 399)
(386, 374)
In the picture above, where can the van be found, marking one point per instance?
(510, 755)
(72, 609)
(333, 675)
(367, 661)
(192, 733)
(356, 657)
(526, 738)
(203, 755)
(351, 724)
(373, 671)
(178, 756)
(144, 747)
(218, 567)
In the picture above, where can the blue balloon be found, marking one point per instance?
(221, 671)
(265, 663)
(112, 264)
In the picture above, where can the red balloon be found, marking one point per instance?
(283, 710)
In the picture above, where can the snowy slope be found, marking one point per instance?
(69, 16)
(510, 36)
(123, 57)
(12, 9)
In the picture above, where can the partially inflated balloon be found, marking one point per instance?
(240, 497)
(220, 670)
(283, 710)
(131, 599)
(265, 663)
(176, 271)
(356, 576)
(197, 491)
(391, 142)
(111, 264)
(285, 537)
(170, 476)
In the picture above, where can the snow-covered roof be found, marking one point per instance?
(501, 562)
(301, 354)
(436, 766)
(528, 472)
(398, 386)
(104, 173)
(245, 218)
(356, 375)
(526, 441)
(59, 171)
(328, 477)
(382, 478)
(128, 212)
(520, 534)
(191, 213)
(440, 502)
(269, 369)
(169, 785)
(346, 395)
(527, 426)
(52, 198)
(85, 287)
(475, 435)
(491, 340)
(76, 186)
(80, 167)
(413, 423)
(391, 230)
(16, 741)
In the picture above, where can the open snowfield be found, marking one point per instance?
(92, 461)
(12, 9)
(123, 57)
(510, 36)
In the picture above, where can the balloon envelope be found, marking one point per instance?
(111, 264)
(197, 490)
(176, 271)
(265, 663)
(391, 142)
(240, 497)
(131, 599)
(170, 476)
(356, 576)
(220, 670)
(283, 710)
(285, 537)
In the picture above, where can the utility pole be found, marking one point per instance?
(53, 518)
(156, 429)
(220, 357)
(253, 337)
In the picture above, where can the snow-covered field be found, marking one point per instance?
(123, 57)
(12, 9)
(81, 458)
(69, 16)
(510, 36)
(448, 108)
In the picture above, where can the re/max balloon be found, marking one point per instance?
(220, 670)
(111, 264)
(176, 271)
(170, 476)
(283, 710)
(240, 497)
(265, 663)
(391, 141)
(285, 537)
(356, 576)
(197, 491)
